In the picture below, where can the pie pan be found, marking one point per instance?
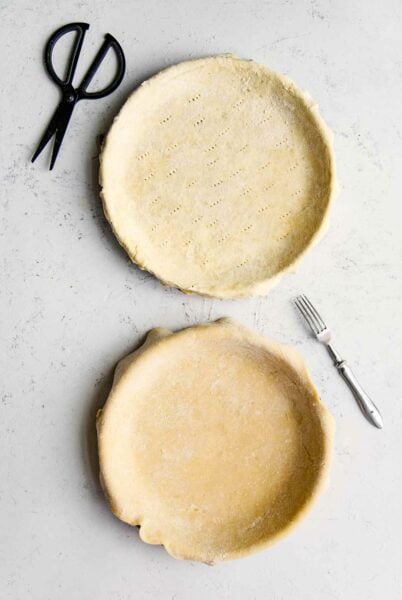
(217, 175)
(213, 440)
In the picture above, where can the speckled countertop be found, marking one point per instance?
(72, 304)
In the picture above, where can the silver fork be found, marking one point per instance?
(323, 334)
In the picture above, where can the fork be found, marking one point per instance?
(323, 334)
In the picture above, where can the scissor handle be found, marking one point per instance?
(81, 93)
(109, 42)
(81, 29)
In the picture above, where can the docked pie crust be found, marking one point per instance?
(217, 175)
(213, 440)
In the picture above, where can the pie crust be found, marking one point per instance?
(216, 176)
(213, 440)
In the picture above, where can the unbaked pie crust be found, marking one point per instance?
(217, 175)
(213, 440)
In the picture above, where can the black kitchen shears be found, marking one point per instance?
(71, 95)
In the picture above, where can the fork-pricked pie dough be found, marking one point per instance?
(216, 175)
(213, 440)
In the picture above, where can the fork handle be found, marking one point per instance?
(364, 401)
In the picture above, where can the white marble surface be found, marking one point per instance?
(72, 304)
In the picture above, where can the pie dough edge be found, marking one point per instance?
(258, 288)
(157, 336)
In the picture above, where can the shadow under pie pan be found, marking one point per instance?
(217, 175)
(213, 440)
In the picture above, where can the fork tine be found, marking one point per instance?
(313, 319)
(315, 313)
(303, 311)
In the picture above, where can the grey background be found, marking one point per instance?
(72, 304)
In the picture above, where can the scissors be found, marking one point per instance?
(71, 95)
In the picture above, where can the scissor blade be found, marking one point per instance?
(60, 131)
(50, 130)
